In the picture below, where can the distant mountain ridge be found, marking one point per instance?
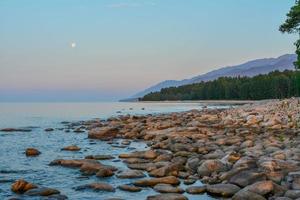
(251, 68)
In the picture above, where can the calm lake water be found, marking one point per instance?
(15, 165)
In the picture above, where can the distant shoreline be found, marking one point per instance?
(239, 102)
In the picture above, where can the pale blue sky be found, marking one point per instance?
(123, 46)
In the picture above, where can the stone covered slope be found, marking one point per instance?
(249, 152)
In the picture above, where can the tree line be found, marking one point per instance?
(275, 85)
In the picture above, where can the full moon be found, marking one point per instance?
(73, 45)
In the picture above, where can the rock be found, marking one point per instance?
(189, 181)
(104, 172)
(97, 187)
(103, 133)
(192, 164)
(42, 192)
(247, 195)
(293, 194)
(129, 188)
(131, 174)
(49, 129)
(32, 152)
(142, 166)
(247, 177)
(261, 187)
(224, 190)
(167, 197)
(209, 166)
(56, 197)
(196, 189)
(154, 181)
(166, 188)
(71, 148)
(150, 154)
(100, 157)
(21, 186)
(294, 178)
(15, 130)
(166, 170)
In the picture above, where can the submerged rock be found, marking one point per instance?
(167, 197)
(71, 148)
(130, 188)
(131, 174)
(97, 187)
(167, 188)
(42, 192)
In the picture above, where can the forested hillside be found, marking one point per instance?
(275, 85)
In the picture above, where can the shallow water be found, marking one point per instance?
(15, 165)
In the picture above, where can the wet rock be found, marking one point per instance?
(209, 166)
(32, 152)
(49, 129)
(247, 177)
(142, 166)
(224, 190)
(154, 181)
(42, 192)
(104, 172)
(100, 157)
(150, 154)
(189, 181)
(71, 148)
(131, 174)
(169, 169)
(56, 197)
(21, 186)
(15, 130)
(167, 197)
(247, 195)
(97, 187)
(103, 133)
(129, 188)
(196, 189)
(166, 188)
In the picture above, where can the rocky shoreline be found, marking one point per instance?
(248, 152)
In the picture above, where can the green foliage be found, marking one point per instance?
(275, 85)
(292, 25)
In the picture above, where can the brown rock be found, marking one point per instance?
(154, 181)
(32, 152)
(71, 148)
(21, 186)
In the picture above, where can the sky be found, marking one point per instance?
(105, 50)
